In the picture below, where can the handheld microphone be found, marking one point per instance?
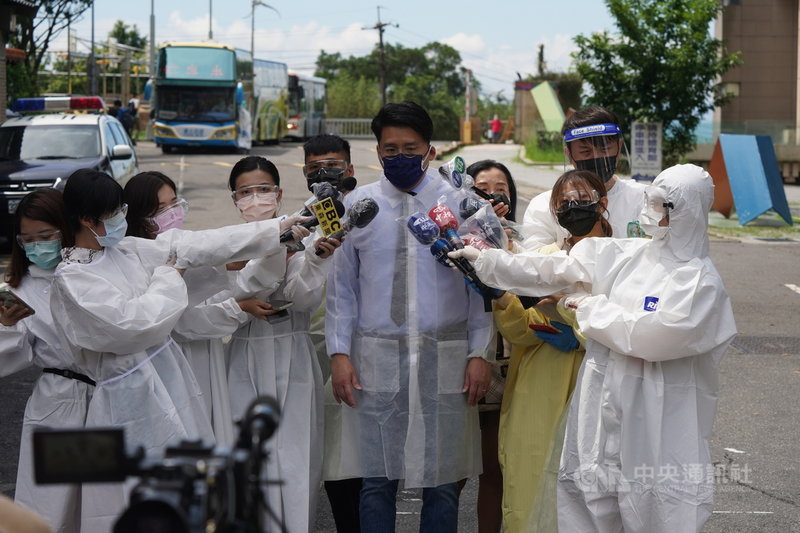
(469, 206)
(287, 236)
(348, 184)
(361, 213)
(477, 242)
(423, 228)
(439, 250)
(448, 225)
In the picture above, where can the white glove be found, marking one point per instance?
(300, 232)
(572, 301)
(470, 253)
(288, 222)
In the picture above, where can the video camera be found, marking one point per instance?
(194, 488)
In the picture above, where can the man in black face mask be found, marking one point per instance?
(593, 141)
(327, 158)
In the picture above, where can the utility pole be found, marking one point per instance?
(69, 60)
(210, 34)
(253, 5)
(152, 39)
(382, 58)
(91, 62)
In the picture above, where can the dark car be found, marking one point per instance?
(43, 150)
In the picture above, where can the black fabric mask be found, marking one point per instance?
(331, 175)
(602, 166)
(579, 220)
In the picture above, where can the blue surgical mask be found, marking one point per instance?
(44, 254)
(404, 170)
(116, 227)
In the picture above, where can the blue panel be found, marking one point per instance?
(774, 178)
(746, 175)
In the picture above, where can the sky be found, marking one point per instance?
(496, 42)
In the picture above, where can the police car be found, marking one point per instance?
(65, 134)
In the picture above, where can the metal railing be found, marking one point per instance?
(350, 128)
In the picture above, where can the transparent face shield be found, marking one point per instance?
(656, 206)
(599, 148)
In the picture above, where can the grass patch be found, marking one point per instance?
(767, 226)
(545, 147)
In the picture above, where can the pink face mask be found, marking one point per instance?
(171, 217)
(259, 206)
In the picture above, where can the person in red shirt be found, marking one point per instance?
(496, 125)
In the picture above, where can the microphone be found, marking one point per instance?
(287, 235)
(454, 173)
(469, 206)
(476, 241)
(448, 225)
(361, 213)
(259, 422)
(439, 250)
(348, 184)
(423, 228)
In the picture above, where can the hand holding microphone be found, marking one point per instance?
(361, 213)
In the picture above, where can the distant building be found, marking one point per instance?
(765, 87)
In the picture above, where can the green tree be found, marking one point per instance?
(34, 37)
(127, 35)
(430, 75)
(662, 65)
(349, 97)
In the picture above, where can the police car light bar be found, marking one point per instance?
(58, 103)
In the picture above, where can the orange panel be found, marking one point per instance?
(723, 198)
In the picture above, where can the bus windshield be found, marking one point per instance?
(197, 63)
(196, 104)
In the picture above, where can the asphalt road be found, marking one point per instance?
(756, 438)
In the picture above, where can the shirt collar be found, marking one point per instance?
(394, 195)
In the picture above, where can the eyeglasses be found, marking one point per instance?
(394, 152)
(313, 166)
(249, 191)
(571, 199)
(49, 235)
(179, 203)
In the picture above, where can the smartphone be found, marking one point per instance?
(280, 305)
(543, 327)
(8, 298)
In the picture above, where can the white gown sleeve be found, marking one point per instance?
(208, 247)
(341, 308)
(103, 319)
(16, 348)
(262, 274)
(210, 320)
(479, 324)
(530, 273)
(306, 274)
(693, 317)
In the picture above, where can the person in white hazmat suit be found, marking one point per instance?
(273, 355)
(154, 208)
(408, 341)
(60, 396)
(592, 141)
(123, 300)
(636, 454)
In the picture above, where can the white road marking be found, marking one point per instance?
(222, 163)
(733, 450)
(793, 287)
(182, 165)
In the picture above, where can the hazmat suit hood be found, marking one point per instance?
(690, 190)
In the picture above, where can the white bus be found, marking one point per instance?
(307, 106)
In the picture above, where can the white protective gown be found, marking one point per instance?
(411, 420)
(201, 328)
(56, 401)
(636, 454)
(276, 357)
(541, 227)
(122, 305)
